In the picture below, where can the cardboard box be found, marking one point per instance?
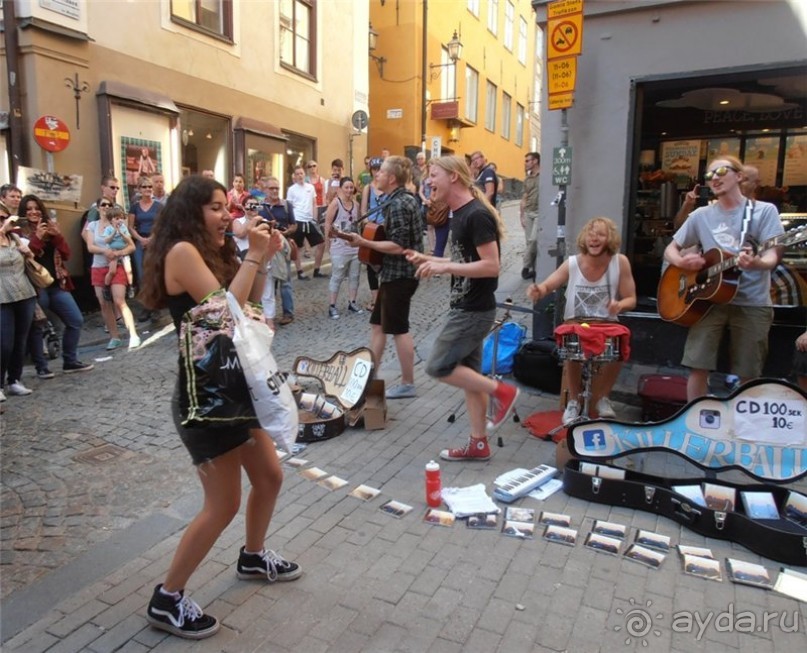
(375, 405)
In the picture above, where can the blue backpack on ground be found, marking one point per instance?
(510, 337)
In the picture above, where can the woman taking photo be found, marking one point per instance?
(51, 250)
(115, 293)
(189, 258)
(343, 215)
(17, 303)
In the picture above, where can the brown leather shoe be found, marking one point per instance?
(286, 319)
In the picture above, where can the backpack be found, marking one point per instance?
(510, 336)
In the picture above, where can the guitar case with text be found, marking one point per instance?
(715, 435)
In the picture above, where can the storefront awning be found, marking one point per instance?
(260, 128)
(137, 95)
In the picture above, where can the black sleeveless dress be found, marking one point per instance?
(203, 444)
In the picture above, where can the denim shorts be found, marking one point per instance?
(460, 342)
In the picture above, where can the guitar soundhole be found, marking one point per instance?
(702, 277)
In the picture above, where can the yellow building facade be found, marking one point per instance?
(483, 101)
(223, 85)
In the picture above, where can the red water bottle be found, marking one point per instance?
(434, 487)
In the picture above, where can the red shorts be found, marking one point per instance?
(97, 276)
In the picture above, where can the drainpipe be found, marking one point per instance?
(423, 75)
(19, 151)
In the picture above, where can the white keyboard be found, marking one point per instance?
(523, 484)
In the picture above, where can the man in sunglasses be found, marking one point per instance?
(730, 224)
(109, 191)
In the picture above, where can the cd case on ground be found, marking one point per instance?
(645, 555)
(748, 573)
(561, 535)
(703, 567)
(653, 540)
(603, 543)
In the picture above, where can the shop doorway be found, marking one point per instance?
(682, 123)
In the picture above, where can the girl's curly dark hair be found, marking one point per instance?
(182, 219)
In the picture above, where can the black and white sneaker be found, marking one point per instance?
(266, 566)
(77, 366)
(181, 617)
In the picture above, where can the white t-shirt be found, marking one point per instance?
(301, 197)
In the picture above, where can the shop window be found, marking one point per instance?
(298, 36)
(299, 149)
(507, 103)
(205, 141)
(493, 16)
(490, 107)
(214, 17)
(519, 125)
(471, 93)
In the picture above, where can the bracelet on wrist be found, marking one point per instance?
(253, 261)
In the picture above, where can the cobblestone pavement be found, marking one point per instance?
(96, 489)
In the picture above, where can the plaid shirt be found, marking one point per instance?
(403, 225)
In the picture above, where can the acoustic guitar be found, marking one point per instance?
(372, 231)
(685, 296)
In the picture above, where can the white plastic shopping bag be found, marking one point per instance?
(271, 395)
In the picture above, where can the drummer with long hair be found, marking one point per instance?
(599, 285)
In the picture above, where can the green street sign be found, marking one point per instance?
(561, 166)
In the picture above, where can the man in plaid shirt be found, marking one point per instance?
(403, 226)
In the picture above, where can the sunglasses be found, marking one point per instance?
(251, 207)
(104, 206)
(311, 165)
(722, 171)
(114, 187)
(147, 187)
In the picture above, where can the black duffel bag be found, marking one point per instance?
(537, 365)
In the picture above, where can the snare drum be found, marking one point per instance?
(611, 351)
(598, 343)
(570, 348)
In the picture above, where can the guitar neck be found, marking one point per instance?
(785, 239)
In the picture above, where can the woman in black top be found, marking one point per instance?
(189, 257)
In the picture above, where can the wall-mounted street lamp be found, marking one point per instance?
(372, 44)
(454, 53)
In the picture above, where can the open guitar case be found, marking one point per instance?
(342, 382)
(715, 435)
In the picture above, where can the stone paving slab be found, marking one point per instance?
(84, 543)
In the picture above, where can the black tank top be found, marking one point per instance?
(178, 305)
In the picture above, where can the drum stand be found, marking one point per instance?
(590, 367)
(497, 325)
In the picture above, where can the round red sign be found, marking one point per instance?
(51, 134)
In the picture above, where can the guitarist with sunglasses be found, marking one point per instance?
(731, 225)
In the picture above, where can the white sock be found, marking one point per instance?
(173, 595)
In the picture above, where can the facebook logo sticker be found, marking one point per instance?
(594, 439)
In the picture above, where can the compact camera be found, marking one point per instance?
(709, 419)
